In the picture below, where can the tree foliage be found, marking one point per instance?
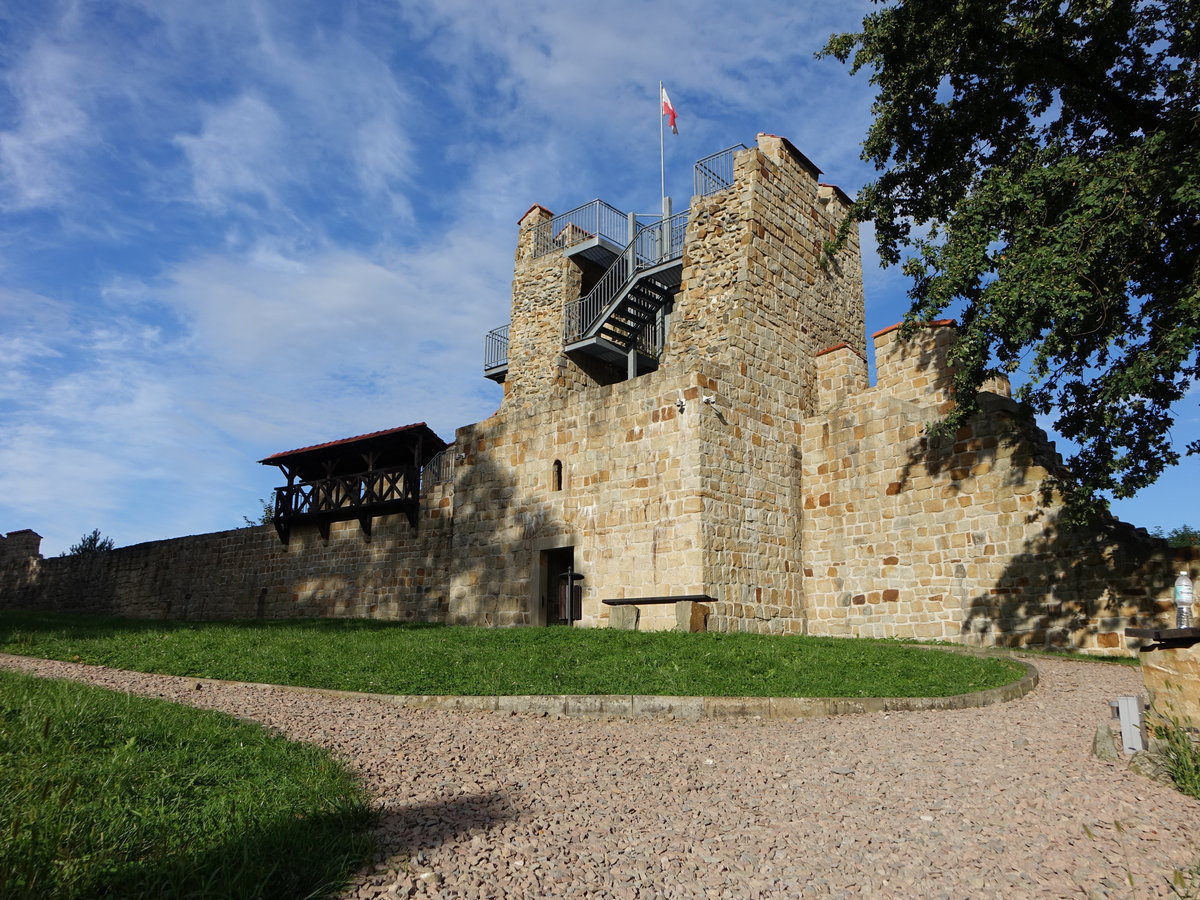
(1182, 536)
(94, 542)
(266, 513)
(1040, 178)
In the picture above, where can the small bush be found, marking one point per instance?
(1183, 536)
(266, 513)
(91, 543)
(1181, 755)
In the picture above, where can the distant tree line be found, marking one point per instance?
(1183, 536)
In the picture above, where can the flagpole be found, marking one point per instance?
(662, 159)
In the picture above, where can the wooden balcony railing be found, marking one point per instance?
(360, 496)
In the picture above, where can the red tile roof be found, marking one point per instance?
(350, 440)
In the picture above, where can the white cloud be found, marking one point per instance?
(339, 338)
(239, 153)
(50, 124)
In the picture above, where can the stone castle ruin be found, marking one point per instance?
(688, 439)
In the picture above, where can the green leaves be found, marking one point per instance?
(1040, 178)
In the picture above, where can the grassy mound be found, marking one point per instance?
(383, 657)
(108, 795)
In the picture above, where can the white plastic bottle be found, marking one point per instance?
(1184, 597)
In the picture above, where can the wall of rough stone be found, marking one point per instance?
(778, 305)
(399, 573)
(628, 504)
(538, 371)
(657, 501)
(953, 540)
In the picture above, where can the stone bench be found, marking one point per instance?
(691, 611)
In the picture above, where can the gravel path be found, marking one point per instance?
(992, 802)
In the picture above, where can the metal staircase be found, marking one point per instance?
(621, 321)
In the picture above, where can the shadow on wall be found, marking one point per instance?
(1021, 577)
(498, 528)
(1080, 589)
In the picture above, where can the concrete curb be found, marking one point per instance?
(693, 709)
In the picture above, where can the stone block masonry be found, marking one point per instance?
(399, 573)
(905, 536)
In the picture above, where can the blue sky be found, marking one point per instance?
(229, 229)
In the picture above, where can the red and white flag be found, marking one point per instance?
(668, 110)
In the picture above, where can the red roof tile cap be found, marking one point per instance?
(842, 195)
(939, 323)
(796, 154)
(842, 346)
(525, 214)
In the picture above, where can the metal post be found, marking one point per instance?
(664, 231)
(1133, 727)
(662, 154)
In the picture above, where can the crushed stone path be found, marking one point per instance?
(1003, 801)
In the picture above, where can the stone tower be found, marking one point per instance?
(648, 440)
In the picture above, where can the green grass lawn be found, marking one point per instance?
(107, 795)
(392, 658)
(1080, 657)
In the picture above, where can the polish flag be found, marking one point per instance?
(668, 110)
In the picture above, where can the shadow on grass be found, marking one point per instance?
(299, 857)
(311, 857)
(293, 857)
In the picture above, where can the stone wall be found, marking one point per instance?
(538, 372)
(755, 264)
(659, 501)
(628, 505)
(907, 537)
(398, 573)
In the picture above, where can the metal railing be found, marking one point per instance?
(714, 173)
(650, 339)
(495, 348)
(439, 469)
(654, 244)
(596, 218)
